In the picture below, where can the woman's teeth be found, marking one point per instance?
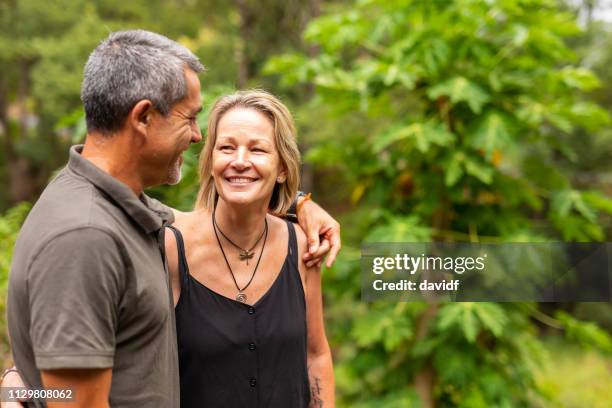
(240, 180)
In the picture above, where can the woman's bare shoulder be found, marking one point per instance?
(184, 220)
(301, 237)
(280, 225)
(180, 217)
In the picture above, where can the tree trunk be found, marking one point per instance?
(313, 49)
(424, 380)
(242, 49)
(22, 178)
(589, 5)
(308, 171)
(3, 107)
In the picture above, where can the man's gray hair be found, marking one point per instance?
(129, 66)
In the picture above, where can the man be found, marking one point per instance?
(89, 305)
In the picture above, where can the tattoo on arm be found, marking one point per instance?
(315, 392)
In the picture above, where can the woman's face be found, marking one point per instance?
(245, 163)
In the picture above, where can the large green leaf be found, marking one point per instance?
(586, 333)
(598, 201)
(460, 89)
(492, 132)
(454, 169)
(566, 200)
(461, 316)
(477, 168)
(461, 163)
(400, 229)
(579, 78)
(471, 318)
(492, 317)
(423, 135)
(369, 328)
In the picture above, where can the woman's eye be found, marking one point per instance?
(259, 150)
(226, 147)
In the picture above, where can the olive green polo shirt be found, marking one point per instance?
(89, 288)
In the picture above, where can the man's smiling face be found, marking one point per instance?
(172, 134)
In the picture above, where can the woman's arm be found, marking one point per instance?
(320, 368)
(11, 378)
(319, 359)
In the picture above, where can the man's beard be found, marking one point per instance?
(175, 173)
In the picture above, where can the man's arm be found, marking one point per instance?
(90, 387)
(76, 285)
(322, 230)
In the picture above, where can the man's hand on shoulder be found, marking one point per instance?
(323, 233)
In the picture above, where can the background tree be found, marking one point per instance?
(468, 114)
(44, 45)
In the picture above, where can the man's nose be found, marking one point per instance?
(196, 134)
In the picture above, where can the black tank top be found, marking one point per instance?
(235, 355)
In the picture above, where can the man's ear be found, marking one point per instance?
(140, 116)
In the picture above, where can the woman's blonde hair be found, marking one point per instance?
(284, 140)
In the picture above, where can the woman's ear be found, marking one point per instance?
(140, 115)
(282, 174)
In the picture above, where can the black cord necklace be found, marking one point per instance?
(241, 297)
(245, 254)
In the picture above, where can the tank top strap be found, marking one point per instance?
(182, 259)
(293, 252)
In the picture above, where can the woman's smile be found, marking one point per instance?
(240, 180)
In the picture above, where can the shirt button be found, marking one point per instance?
(252, 346)
(251, 310)
(253, 382)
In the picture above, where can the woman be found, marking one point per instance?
(248, 311)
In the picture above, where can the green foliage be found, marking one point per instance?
(9, 227)
(43, 49)
(460, 89)
(586, 333)
(466, 109)
(581, 378)
(453, 106)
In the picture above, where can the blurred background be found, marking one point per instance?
(419, 120)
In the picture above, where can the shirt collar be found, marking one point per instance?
(149, 213)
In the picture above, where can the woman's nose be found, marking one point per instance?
(242, 158)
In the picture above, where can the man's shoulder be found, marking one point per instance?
(162, 209)
(68, 203)
(71, 199)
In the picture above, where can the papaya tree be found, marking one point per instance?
(446, 120)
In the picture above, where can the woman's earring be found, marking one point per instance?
(280, 179)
